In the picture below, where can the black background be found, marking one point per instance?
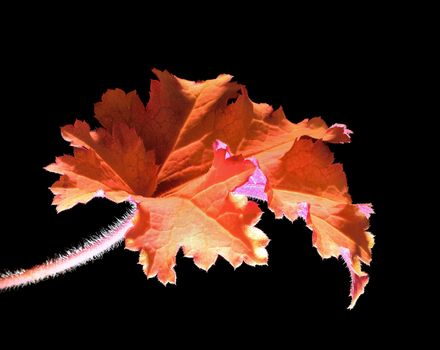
(49, 82)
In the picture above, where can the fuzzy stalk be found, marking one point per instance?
(92, 249)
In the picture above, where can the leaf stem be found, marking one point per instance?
(92, 249)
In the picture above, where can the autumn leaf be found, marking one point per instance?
(306, 183)
(192, 195)
(114, 164)
(203, 218)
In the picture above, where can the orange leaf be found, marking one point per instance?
(184, 118)
(305, 173)
(306, 183)
(190, 196)
(177, 122)
(112, 164)
(203, 218)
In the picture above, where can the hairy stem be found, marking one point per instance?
(92, 249)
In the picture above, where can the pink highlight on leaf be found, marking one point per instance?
(366, 209)
(100, 194)
(256, 185)
(358, 279)
(221, 145)
(344, 128)
(303, 210)
(341, 130)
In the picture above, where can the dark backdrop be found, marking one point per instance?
(47, 86)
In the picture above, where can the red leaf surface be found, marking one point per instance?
(192, 195)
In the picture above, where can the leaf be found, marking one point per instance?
(306, 183)
(359, 279)
(112, 164)
(183, 119)
(192, 195)
(203, 218)
(305, 173)
(178, 122)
